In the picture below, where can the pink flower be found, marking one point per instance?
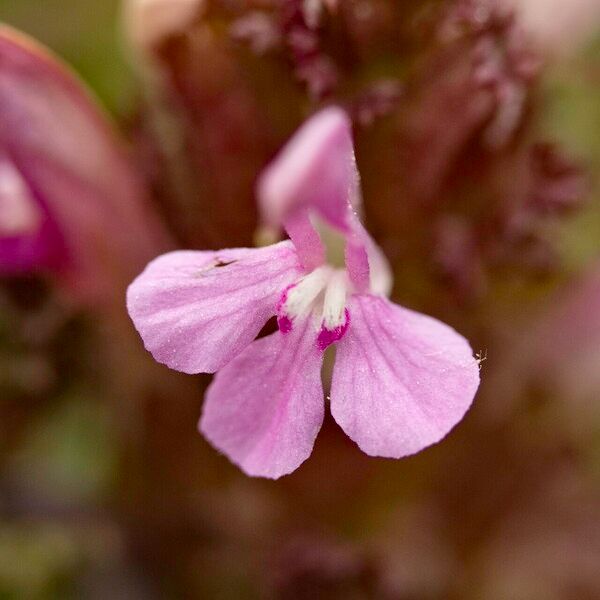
(71, 202)
(29, 240)
(401, 379)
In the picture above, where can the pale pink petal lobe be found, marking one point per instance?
(402, 380)
(265, 408)
(197, 310)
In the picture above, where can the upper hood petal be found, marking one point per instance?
(316, 174)
(316, 169)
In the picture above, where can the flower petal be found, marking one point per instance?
(316, 173)
(265, 408)
(197, 310)
(75, 167)
(316, 169)
(29, 240)
(306, 239)
(401, 379)
(367, 266)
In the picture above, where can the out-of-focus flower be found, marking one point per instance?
(484, 186)
(377, 100)
(70, 200)
(28, 238)
(401, 379)
(313, 67)
(480, 68)
(150, 21)
(559, 26)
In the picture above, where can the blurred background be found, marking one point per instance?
(477, 128)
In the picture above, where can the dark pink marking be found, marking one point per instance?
(328, 336)
(284, 322)
(283, 297)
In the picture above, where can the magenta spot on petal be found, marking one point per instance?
(283, 297)
(284, 323)
(328, 336)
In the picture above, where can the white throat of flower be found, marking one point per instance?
(320, 295)
(301, 298)
(334, 301)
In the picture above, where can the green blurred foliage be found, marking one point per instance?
(572, 115)
(85, 34)
(63, 468)
(35, 561)
(68, 455)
